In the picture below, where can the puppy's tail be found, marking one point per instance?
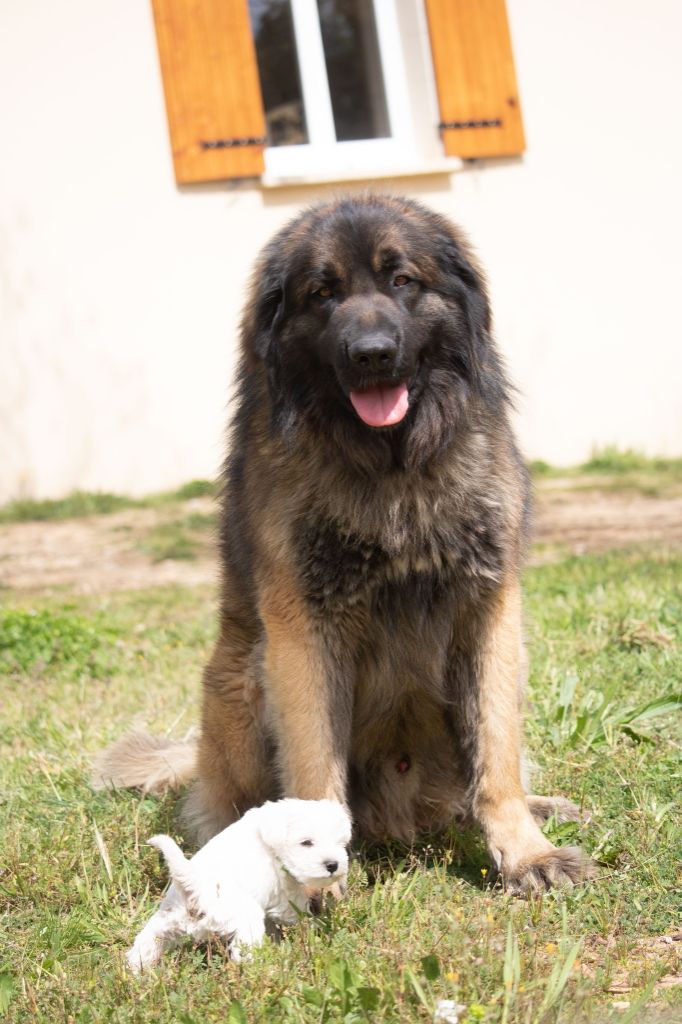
(178, 865)
(140, 761)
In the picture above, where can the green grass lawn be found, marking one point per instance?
(418, 925)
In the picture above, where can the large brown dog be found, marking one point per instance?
(373, 525)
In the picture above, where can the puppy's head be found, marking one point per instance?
(308, 838)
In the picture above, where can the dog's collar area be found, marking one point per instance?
(403, 765)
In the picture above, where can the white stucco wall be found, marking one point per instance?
(119, 293)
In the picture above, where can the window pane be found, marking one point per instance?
(354, 69)
(280, 82)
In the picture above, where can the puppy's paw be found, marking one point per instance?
(240, 952)
(545, 807)
(554, 868)
(136, 961)
(133, 962)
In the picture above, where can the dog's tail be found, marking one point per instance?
(178, 865)
(140, 761)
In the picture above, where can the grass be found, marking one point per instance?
(183, 538)
(613, 469)
(612, 461)
(418, 925)
(87, 503)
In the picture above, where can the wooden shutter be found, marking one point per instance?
(210, 80)
(477, 93)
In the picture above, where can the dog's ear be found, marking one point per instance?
(267, 309)
(455, 264)
(465, 284)
(272, 825)
(478, 356)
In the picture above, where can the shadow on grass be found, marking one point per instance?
(460, 852)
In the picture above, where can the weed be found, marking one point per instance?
(33, 642)
(595, 720)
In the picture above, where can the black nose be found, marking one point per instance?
(373, 352)
(331, 866)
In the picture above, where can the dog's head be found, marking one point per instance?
(308, 838)
(372, 319)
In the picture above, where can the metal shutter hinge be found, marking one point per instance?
(457, 125)
(251, 140)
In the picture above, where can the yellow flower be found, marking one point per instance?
(550, 948)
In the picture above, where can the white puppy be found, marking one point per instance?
(265, 865)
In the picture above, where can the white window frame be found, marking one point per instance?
(413, 146)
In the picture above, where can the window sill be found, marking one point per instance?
(444, 165)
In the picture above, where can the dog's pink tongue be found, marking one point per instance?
(381, 406)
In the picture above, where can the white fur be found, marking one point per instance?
(254, 869)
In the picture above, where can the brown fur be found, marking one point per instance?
(140, 761)
(370, 642)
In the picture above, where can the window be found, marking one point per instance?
(335, 91)
(331, 89)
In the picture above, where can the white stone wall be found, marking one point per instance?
(120, 293)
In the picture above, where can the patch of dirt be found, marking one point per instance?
(581, 521)
(657, 954)
(104, 553)
(101, 553)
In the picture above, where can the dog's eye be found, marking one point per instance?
(325, 292)
(307, 842)
(401, 280)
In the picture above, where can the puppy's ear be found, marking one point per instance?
(272, 825)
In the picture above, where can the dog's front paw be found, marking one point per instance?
(553, 868)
